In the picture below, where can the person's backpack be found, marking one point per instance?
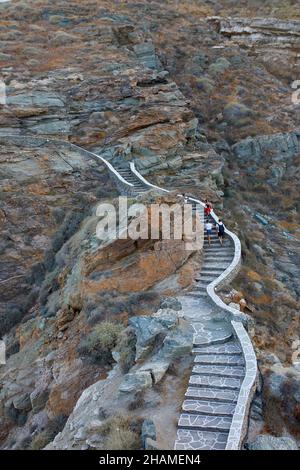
(221, 229)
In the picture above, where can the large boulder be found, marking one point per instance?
(171, 302)
(150, 331)
(237, 114)
(136, 382)
(157, 368)
(38, 398)
(267, 442)
(166, 317)
(22, 402)
(147, 330)
(148, 431)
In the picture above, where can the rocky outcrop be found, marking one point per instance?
(272, 39)
(74, 278)
(161, 339)
(266, 442)
(172, 96)
(275, 152)
(85, 428)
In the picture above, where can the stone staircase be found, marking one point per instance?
(139, 186)
(216, 385)
(219, 367)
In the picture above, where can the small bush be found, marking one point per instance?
(126, 349)
(11, 317)
(67, 229)
(40, 441)
(137, 401)
(101, 341)
(53, 428)
(49, 285)
(15, 416)
(120, 434)
(113, 303)
(205, 84)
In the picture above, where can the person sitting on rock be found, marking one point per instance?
(221, 230)
(208, 228)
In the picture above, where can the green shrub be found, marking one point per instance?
(53, 428)
(40, 440)
(11, 317)
(126, 349)
(219, 67)
(205, 84)
(101, 341)
(138, 401)
(120, 434)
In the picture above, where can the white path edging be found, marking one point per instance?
(109, 165)
(239, 424)
(140, 177)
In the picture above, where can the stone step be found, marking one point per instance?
(216, 244)
(208, 407)
(200, 286)
(204, 422)
(212, 394)
(136, 185)
(203, 284)
(214, 263)
(213, 267)
(218, 263)
(216, 337)
(197, 294)
(206, 278)
(206, 270)
(218, 370)
(218, 249)
(214, 381)
(222, 359)
(230, 347)
(188, 439)
(213, 240)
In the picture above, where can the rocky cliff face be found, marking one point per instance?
(197, 94)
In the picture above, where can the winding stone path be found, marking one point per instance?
(219, 369)
(212, 416)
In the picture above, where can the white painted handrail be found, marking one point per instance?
(140, 177)
(106, 162)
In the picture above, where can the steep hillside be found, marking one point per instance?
(198, 94)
